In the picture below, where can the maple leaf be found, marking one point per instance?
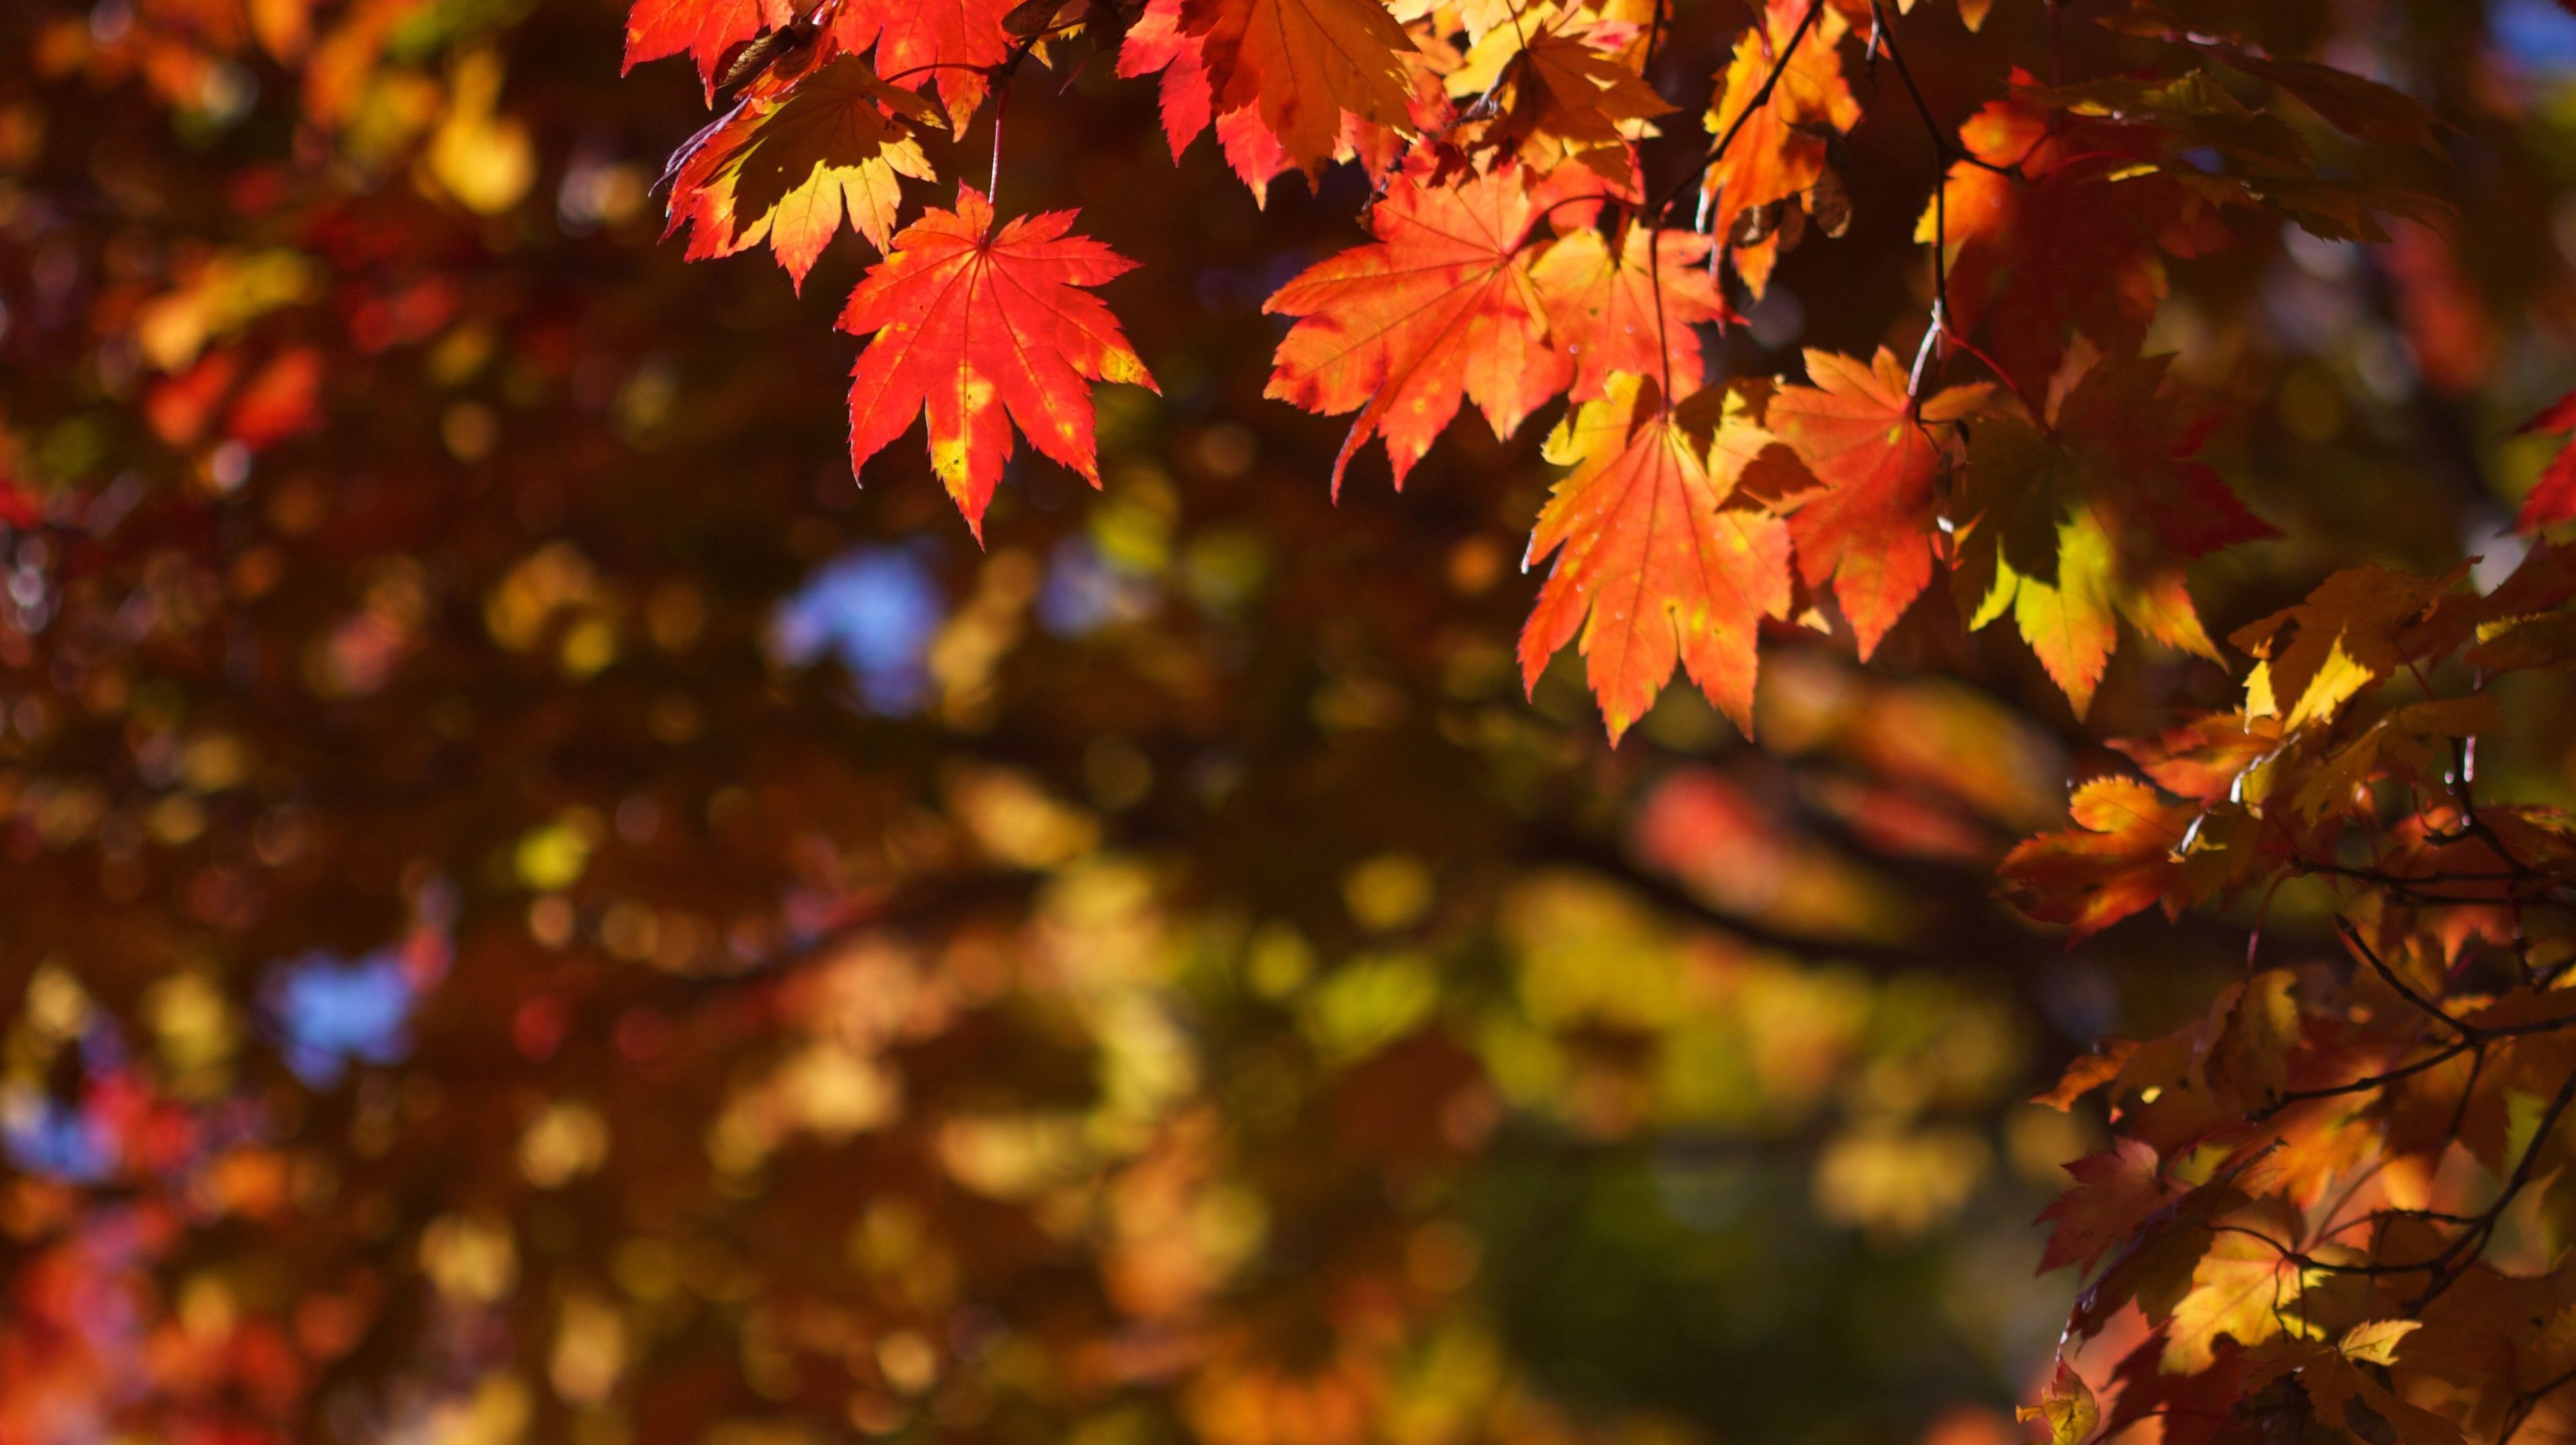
(1155, 43)
(2344, 638)
(2346, 1395)
(2247, 1066)
(980, 330)
(2115, 1192)
(704, 29)
(791, 159)
(2043, 244)
(2240, 1290)
(955, 43)
(2552, 499)
(1775, 150)
(2087, 1072)
(1652, 567)
(2088, 513)
(1301, 65)
(1869, 532)
(2066, 1405)
(2068, 623)
(2116, 860)
(1603, 310)
(1442, 306)
(1570, 97)
(2203, 759)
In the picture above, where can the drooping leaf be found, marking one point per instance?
(1651, 566)
(1777, 152)
(2089, 513)
(1302, 65)
(980, 330)
(704, 30)
(2066, 1406)
(2045, 245)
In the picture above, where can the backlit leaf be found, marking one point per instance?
(1870, 533)
(1441, 308)
(981, 330)
(1652, 566)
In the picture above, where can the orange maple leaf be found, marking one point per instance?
(703, 29)
(1651, 564)
(1602, 308)
(795, 155)
(1302, 64)
(1869, 531)
(980, 330)
(2118, 859)
(1572, 97)
(1777, 151)
(1441, 306)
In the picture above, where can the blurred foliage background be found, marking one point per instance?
(536, 910)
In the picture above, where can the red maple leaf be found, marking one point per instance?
(2553, 498)
(1442, 306)
(702, 29)
(2051, 235)
(1869, 532)
(1156, 43)
(2115, 1191)
(980, 330)
(952, 42)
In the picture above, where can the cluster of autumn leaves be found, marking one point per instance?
(1518, 256)
(2281, 1206)
(2331, 1196)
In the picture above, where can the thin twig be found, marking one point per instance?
(2361, 1086)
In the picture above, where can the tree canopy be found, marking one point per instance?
(1999, 868)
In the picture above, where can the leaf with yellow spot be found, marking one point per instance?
(980, 329)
